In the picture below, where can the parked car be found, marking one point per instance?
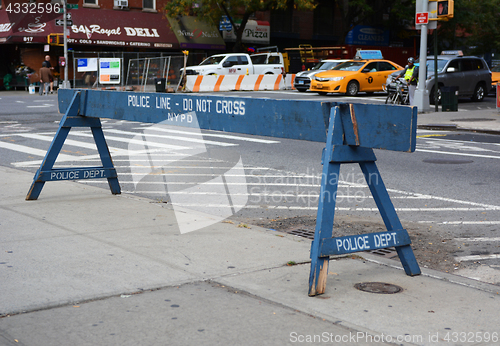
(354, 76)
(469, 73)
(302, 80)
(495, 77)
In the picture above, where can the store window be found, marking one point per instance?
(90, 2)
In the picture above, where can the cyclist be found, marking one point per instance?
(410, 74)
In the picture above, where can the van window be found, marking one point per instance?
(455, 64)
(472, 65)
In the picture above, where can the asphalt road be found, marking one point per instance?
(446, 193)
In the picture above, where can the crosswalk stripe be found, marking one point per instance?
(32, 151)
(71, 142)
(134, 141)
(212, 134)
(171, 138)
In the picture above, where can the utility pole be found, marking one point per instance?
(421, 94)
(66, 84)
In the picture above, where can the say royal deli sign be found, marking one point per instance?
(91, 27)
(104, 27)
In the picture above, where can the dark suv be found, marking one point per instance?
(469, 73)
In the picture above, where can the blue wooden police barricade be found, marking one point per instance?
(351, 132)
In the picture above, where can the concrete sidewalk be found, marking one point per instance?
(80, 266)
(481, 120)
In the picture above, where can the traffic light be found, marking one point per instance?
(445, 9)
(55, 39)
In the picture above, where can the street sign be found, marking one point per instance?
(60, 22)
(69, 7)
(422, 18)
(430, 9)
(225, 24)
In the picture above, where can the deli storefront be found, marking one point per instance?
(23, 38)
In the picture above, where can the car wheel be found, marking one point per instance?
(431, 96)
(301, 90)
(352, 88)
(479, 93)
(322, 93)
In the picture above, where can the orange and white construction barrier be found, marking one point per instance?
(239, 82)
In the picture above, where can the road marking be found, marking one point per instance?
(478, 239)
(453, 141)
(32, 151)
(42, 106)
(240, 138)
(70, 142)
(458, 154)
(134, 141)
(477, 257)
(433, 135)
(470, 223)
(149, 135)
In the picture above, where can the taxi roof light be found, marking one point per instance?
(368, 54)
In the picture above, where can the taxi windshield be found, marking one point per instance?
(325, 65)
(349, 66)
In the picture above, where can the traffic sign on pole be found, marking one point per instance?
(422, 18)
(60, 22)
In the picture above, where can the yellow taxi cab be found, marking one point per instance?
(353, 76)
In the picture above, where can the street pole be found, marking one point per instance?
(421, 96)
(66, 84)
(436, 84)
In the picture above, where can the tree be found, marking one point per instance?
(212, 11)
(475, 26)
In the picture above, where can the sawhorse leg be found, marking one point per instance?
(389, 215)
(324, 227)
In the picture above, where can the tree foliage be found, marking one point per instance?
(212, 10)
(475, 27)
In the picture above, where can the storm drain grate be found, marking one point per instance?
(302, 232)
(389, 252)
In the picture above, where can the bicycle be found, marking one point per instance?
(397, 92)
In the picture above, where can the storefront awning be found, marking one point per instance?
(256, 32)
(91, 27)
(192, 33)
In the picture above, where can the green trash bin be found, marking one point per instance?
(449, 98)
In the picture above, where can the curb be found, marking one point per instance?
(453, 127)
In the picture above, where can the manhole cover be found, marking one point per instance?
(474, 119)
(378, 287)
(448, 161)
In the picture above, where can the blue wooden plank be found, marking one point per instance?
(378, 126)
(363, 242)
(351, 154)
(276, 118)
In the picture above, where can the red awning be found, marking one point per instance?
(92, 27)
